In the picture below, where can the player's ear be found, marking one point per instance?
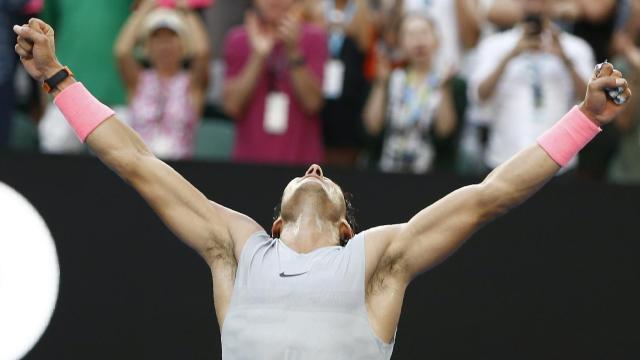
(276, 228)
(346, 232)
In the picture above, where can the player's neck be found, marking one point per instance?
(308, 232)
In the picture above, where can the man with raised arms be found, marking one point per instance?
(313, 289)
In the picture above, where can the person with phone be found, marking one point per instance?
(273, 85)
(526, 78)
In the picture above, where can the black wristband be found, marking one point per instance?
(52, 83)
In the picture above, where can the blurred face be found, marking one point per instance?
(165, 48)
(272, 11)
(417, 39)
(325, 196)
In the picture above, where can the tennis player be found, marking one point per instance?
(312, 289)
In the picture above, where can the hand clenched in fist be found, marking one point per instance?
(36, 47)
(599, 107)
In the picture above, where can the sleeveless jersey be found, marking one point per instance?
(289, 306)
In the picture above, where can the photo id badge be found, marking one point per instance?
(333, 79)
(276, 113)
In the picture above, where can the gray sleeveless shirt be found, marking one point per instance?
(290, 306)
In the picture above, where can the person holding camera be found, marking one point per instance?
(526, 78)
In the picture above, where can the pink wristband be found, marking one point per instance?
(568, 136)
(83, 111)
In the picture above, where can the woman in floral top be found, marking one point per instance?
(167, 98)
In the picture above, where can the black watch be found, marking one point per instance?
(52, 83)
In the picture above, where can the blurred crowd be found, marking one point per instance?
(403, 86)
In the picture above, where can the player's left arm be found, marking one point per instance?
(437, 231)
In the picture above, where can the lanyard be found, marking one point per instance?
(276, 69)
(415, 97)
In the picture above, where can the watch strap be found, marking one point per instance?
(52, 83)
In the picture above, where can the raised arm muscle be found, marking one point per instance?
(440, 229)
(207, 227)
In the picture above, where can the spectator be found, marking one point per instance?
(10, 12)
(411, 105)
(526, 79)
(458, 24)
(30, 100)
(473, 131)
(625, 167)
(624, 40)
(505, 14)
(386, 14)
(345, 86)
(219, 19)
(273, 88)
(592, 20)
(167, 98)
(88, 54)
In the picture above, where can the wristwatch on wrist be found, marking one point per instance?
(52, 83)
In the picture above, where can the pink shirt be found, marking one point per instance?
(301, 143)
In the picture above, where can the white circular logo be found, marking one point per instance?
(29, 275)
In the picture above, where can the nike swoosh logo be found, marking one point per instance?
(283, 275)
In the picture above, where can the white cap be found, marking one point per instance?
(164, 18)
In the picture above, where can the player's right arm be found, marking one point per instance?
(211, 229)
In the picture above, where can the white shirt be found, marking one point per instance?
(511, 112)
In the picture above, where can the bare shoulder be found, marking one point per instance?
(377, 244)
(240, 228)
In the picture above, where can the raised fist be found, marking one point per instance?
(597, 105)
(36, 47)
